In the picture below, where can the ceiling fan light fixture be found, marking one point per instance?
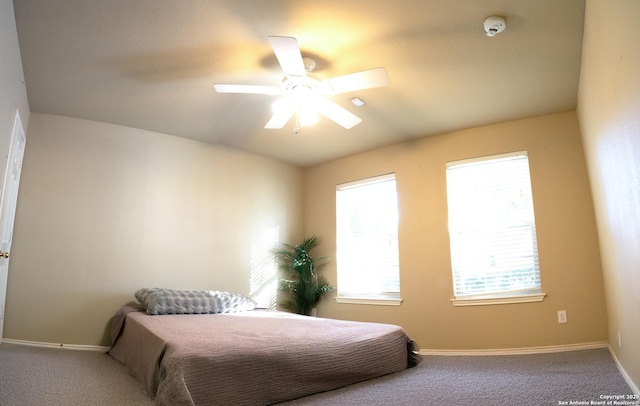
(308, 114)
(305, 110)
(282, 105)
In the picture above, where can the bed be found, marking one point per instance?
(251, 357)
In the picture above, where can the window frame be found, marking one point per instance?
(493, 298)
(381, 298)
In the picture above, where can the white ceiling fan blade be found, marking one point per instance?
(336, 113)
(356, 81)
(288, 53)
(251, 89)
(281, 116)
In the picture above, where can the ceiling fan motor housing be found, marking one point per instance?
(298, 86)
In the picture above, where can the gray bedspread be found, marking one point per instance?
(257, 357)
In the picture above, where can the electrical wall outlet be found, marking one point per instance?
(562, 316)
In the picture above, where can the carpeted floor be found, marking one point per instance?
(34, 376)
(31, 376)
(540, 379)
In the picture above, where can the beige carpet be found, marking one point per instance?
(31, 376)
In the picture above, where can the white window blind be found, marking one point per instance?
(367, 238)
(492, 227)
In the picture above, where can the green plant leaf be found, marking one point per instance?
(303, 284)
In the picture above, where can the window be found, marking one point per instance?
(367, 241)
(494, 252)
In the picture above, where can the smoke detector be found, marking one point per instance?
(494, 25)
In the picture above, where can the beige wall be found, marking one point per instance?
(609, 112)
(568, 246)
(104, 210)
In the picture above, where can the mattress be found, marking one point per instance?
(257, 357)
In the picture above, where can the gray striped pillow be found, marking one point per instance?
(157, 301)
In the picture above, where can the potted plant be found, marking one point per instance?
(303, 285)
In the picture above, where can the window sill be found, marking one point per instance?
(498, 300)
(378, 301)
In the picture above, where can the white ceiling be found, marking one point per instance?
(151, 64)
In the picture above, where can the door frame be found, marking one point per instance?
(17, 135)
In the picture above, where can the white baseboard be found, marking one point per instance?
(519, 351)
(624, 374)
(79, 347)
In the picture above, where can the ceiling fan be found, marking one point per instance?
(304, 91)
